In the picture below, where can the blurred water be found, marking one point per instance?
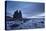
(30, 24)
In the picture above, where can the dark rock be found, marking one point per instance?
(14, 26)
(42, 22)
(8, 18)
(17, 15)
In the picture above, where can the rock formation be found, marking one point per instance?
(17, 15)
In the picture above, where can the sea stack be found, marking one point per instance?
(17, 15)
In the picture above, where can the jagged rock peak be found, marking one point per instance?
(17, 14)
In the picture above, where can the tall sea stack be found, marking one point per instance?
(17, 15)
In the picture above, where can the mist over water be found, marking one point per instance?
(32, 15)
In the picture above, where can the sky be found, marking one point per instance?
(28, 9)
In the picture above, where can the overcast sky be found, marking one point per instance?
(28, 9)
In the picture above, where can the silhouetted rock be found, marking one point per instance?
(8, 18)
(14, 26)
(17, 15)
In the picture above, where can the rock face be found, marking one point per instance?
(17, 15)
